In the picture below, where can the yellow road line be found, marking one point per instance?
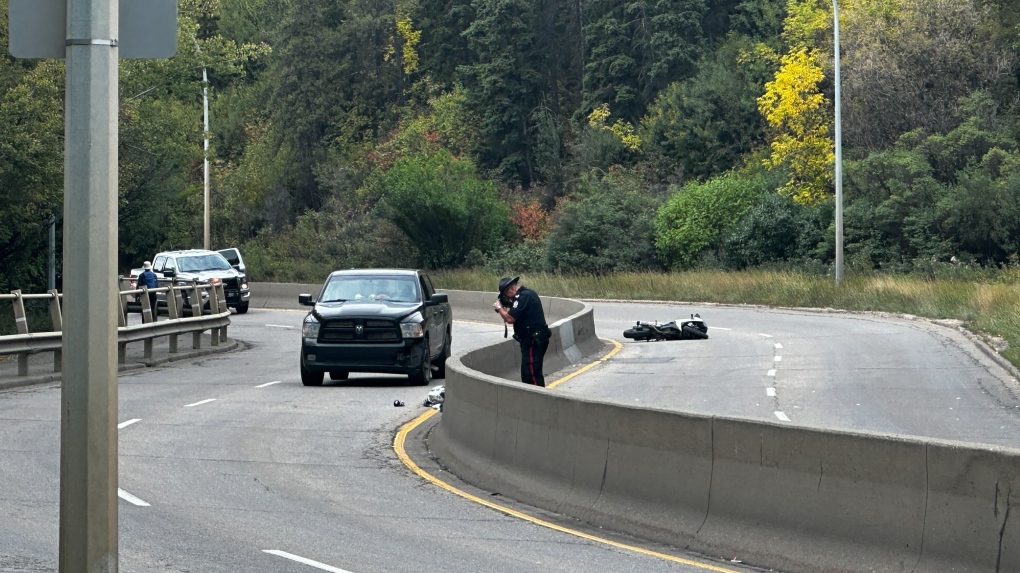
(398, 446)
(617, 347)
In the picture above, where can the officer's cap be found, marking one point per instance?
(505, 282)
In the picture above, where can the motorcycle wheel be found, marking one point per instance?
(636, 333)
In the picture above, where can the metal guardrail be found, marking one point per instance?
(217, 320)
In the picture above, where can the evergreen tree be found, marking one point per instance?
(506, 85)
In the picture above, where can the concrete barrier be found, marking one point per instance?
(777, 496)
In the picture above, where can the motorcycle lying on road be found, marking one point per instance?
(687, 329)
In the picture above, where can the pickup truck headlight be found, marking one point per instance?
(411, 330)
(244, 286)
(310, 327)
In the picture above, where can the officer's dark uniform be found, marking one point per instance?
(532, 332)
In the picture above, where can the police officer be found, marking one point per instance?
(524, 311)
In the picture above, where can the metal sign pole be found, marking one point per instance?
(839, 151)
(88, 425)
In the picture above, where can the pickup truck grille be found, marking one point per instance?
(359, 330)
(231, 290)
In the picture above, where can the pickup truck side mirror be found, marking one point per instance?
(168, 273)
(305, 300)
(438, 298)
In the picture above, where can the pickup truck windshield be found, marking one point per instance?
(371, 289)
(197, 263)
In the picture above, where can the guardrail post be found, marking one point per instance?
(147, 315)
(122, 352)
(58, 325)
(214, 308)
(223, 331)
(172, 313)
(22, 324)
(19, 312)
(122, 319)
(196, 300)
(196, 339)
(214, 300)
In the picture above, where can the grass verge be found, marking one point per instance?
(989, 307)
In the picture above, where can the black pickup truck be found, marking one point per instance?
(376, 320)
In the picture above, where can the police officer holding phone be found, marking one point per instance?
(521, 307)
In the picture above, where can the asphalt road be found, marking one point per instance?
(824, 370)
(245, 469)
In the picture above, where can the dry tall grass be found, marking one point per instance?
(989, 306)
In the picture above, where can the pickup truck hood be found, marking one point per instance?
(351, 309)
(202, 276)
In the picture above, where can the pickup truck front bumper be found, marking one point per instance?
(404, 357)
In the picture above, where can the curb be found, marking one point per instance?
(230, 345)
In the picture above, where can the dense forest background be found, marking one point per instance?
(572, 136)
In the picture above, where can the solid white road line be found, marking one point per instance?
(765, 335)
(778, 358)
(782, 417)
(720, 328)
(130, 498)
(778, 346)
(771, 373)
(281, 326)
(200, 403)
(128, 423)
(770, 392)
(268, 384)
(315, 564)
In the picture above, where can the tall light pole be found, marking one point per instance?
(205, 162)
(205, 151)
(839, 152)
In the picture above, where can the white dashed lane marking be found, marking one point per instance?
(771, 373)
(281, 326)
(770, 392)
(782, 417)
(128, 423)
(305, 561)
(765, 335)
(130, 498)
(778, 358)
(200, 403)
(268, 384)
(778, 346)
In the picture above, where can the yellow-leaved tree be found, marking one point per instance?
(797, 112)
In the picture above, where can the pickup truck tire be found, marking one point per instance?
(242, 308)
(440, 363)
(423, 375)
(338, 375)
(311, 378)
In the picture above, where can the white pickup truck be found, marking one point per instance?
(184, 267)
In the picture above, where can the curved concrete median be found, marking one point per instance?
(777, 496)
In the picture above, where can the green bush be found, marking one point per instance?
(693, 219)
(606, 227)
(444, 207)
(516, 257)
(776, 229)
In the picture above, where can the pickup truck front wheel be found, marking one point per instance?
(242, 308)
(423, 375)
(309, 378)
(440, 363)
